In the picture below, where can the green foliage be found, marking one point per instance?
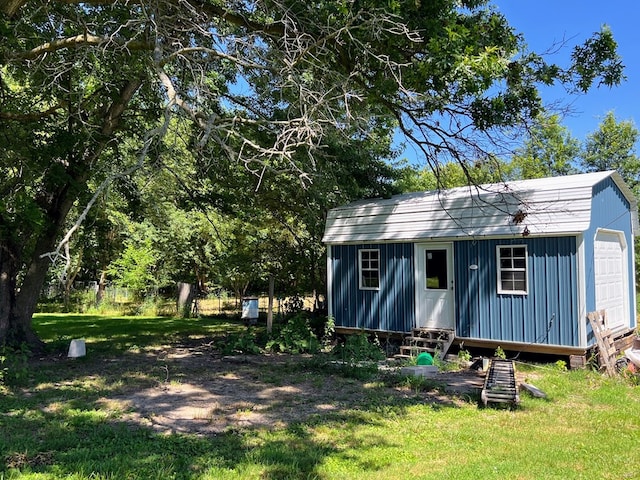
(136, 267)
(418, 383)
(631, 376)
(548, 151)
(597, 58)
(500, 353)
(13, 364)
(561, 366)
(451, 175)
(464, 355)
(235, 181)
(329, 331)
(243, 342)
(612, 147)
(357, 348)
(295, 336)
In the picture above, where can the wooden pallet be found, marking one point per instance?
(604, 338)
(500, 384)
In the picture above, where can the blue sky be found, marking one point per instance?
(543, 22)
(547, 22)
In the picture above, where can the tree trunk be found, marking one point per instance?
(26, 298)
(56, 197)
(102, 286)
(15, 328)
(186, 295)
(7, 292)
(272, 287)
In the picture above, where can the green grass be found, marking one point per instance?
(109, 334)
(55, 425)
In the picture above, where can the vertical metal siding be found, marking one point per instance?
(391, 307)
(610, 210)
(547, 314)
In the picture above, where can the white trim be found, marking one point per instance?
(633, 290)
(420, 287)
(360, 269)
(499, 269)
(329, 282)
(581, 274)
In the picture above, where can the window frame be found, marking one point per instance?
(512, 269)
(362, 268)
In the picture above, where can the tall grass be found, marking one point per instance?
(56, 425)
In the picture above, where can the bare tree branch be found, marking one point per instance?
(83, 40)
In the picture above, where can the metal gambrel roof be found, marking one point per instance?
(545, 206)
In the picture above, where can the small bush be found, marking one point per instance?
(500, 353)
(329, 332)
(417, 383)
(358, 357)
(295, 336)
(357, 348)
(464, 355)
(13, 364)
(244, 342)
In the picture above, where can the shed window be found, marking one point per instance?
(369, 261)
(436, 268)
(512, 269)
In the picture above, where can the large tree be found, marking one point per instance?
(85, 83)
(613, 147)
(549, 150)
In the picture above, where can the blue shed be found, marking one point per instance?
(517, 264)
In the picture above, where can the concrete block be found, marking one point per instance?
(420, 371)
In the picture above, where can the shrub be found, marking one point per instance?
(500, 353)
(358, 356)
(357, 348)
(244, 342)
(13, 364)
(295, 336)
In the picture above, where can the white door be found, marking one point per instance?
(611, 276)
(434, 285)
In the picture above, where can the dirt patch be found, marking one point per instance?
(199, 392)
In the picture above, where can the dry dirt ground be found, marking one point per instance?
(197, 391)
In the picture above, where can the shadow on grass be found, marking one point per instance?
(84, 444)
(130, 413)
(120, 333)
(90, 447)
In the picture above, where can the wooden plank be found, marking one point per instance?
(521, 347)
(604, 339)
(535, 391)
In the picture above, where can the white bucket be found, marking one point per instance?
(77, 348)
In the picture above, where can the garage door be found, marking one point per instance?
(611, 278)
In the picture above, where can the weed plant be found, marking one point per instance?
(13, 364)
(295, 336)
(242, 342)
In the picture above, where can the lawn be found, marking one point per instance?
(69, 418)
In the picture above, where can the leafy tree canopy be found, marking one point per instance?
(549, 150)
(613, 147)
(90, 89)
